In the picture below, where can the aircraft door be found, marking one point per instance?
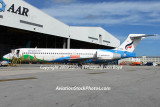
(98, 54)
(18, 53)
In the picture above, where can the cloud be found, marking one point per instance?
(107, 13)
(63, 1)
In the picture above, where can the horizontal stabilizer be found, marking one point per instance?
(140, 35)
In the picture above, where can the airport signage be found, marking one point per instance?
(20, 10)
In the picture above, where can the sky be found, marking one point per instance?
(118, 17)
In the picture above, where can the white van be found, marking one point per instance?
(4, 63)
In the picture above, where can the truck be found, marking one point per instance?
(136, 64)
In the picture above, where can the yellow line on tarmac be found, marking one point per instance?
(17, 79)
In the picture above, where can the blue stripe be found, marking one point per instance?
(124, 54)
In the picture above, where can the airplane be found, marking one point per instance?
(125, 50)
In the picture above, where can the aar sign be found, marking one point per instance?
(20, 10)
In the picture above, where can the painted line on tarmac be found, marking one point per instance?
(17, 79)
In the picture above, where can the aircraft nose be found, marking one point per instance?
(7, 56)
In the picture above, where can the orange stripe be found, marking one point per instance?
(75, 56)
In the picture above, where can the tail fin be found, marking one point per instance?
(132, 41)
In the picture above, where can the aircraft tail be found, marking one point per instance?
(132, 41)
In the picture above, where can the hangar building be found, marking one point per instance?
(24, 26)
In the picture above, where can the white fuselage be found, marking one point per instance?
(61, 54)
(58, 55)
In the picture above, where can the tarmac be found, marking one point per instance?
(32, 86)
